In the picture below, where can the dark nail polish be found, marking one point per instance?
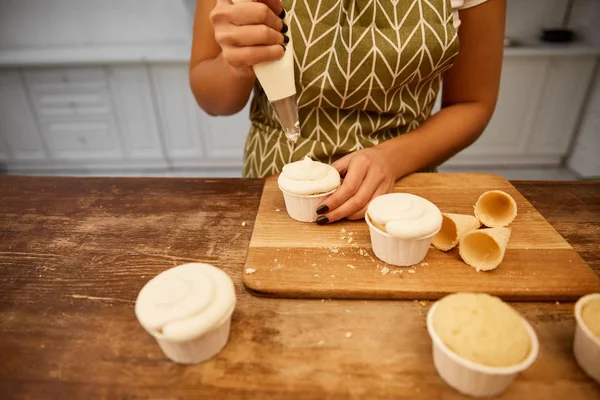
(283, 45)
(286, 39)
(282, 13)
(322, 220)
(322, 210)
(284, 28)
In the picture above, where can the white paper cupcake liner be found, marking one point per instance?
(304, 208)
(197, 350)
(399, 252)
(471, 378)
(586, 346)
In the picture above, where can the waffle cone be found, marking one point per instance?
(484, 249)
(454, 227)
(495, 209)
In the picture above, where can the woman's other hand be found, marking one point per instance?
(249, 32)
(367, 174)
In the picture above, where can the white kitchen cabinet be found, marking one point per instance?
(20, 137)
(536, 115)
(193, 139)
(136, 119)
(567, 81)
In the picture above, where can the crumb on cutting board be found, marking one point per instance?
(385, 270)
(348, 335)
(250, 271)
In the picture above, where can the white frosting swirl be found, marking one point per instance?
(186, 301)
(308, 177)
(405, 216)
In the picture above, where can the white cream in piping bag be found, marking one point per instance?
(277, 80)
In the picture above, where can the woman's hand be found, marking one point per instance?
(249, 32)
(367, 174)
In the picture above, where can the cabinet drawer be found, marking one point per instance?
(64, 75)
(82, 139)
(73, 101)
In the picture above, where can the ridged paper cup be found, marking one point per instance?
(586, 346)
(471, 378)
(304, 208)
(196, 350)
(188, 309)
(395, 251)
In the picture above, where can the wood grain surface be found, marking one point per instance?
(75, 252)
(292, 259)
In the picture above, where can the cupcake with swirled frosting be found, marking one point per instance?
(187, 309)
(305, 184)
(402, 226)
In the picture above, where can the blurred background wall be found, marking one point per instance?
(93, 87)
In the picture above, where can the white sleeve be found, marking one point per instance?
(470, 3)
(458, 5)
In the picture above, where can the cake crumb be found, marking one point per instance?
(334, 250)
(343, 230)
(342, 237)
(244, 223)
(361, 252)
(348, 311)
(354, 245)
(557, 302)
(275, 260)
(411, 271)
(350, 233)
(250, 271)
(332, 276)
(423, 303)
(322, 300)
(350, 266)
(321, 343)
(424, 264)
(277, 209)
(316, 275)
(385, 270)
(313, 265)
(350, 240)
(348, 335)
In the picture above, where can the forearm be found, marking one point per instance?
(443, 135)
(218, 88)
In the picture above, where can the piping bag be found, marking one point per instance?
(277, 80)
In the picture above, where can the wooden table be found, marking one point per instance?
(75, 252)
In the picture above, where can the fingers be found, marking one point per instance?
(250, 35)
(361, 213)
(244, 57)
(250, 32)
(342, 164)
(251, 13)
(352, 183)
(359, 200)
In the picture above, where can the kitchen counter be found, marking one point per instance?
(74, 252)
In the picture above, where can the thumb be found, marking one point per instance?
(342, 164)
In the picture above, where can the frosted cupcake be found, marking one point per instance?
(480, 343)
(402, 226)
(188, 311)
(586, 346)
(305, 184)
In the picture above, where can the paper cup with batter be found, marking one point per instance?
(484, 249)
(303, 208)
(495, 209)
(401, 226)
(454, 227)
(305, 184)
(471, 378)
(187, 309)
(586, 345)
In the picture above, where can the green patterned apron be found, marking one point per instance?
(366, 71)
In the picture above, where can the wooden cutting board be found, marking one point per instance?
(292, 259)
